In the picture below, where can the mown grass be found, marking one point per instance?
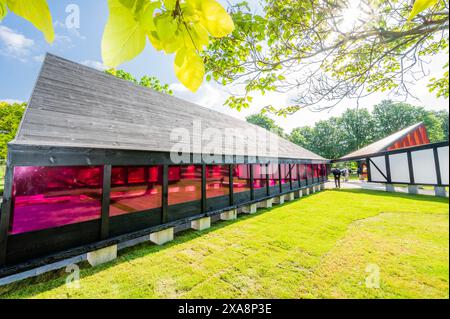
(317, 247)
(2, 178)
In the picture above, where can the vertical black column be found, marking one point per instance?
(437, 164)
(5, 216)
(290, 176)
(165, 194)
(267, 180)
(299, 176)
(203, 188)
(104, 231)
(388, 169)
(279, 178)
(410, 168)
(369, 174)
(231, 185)
(252, 179)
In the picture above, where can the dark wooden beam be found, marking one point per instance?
(6, 211)
(106, 195)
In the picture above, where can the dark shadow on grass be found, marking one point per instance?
(57, 278)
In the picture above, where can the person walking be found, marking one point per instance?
(337, 177)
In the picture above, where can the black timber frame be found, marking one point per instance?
(107, 230)
(408, 150)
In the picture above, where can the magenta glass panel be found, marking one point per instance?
(316, 170)
(241, 178)
(309, 170)
(302, 168)
(217, 180)
(259, 176)
(135, 189)
(185, 184)
(284, 173)
(274, 174)
(294, 172)
(47, 197)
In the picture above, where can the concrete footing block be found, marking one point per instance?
(390, 188)
(289, 197)
(298, 193)
(440, 191)
(322, 187)
(229, 215)
(312, 190)
(278, 200)
(250, 209)
(413, 189)
(101, 256)
(305, 192)
(201, 224)
(161, 237)
(268, 203)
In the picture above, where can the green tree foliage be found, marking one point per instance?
(10, 117)
(354, 129)
(266, 122)
(146, 81)
(327, 51)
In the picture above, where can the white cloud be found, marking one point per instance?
(15, 44)
(94, 64)
(71, 31)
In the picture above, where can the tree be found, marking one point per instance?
(10, 117)
(265, 122)
(146, 81)
(180, 27)
(357, 127)
(331, 50)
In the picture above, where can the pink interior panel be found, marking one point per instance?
(135, 189)
(185, 184)
(274, 174)
(241, 178)
(217, 180)
(259, 176)
(47, 197)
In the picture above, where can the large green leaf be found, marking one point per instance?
(213, 17)
(2, 9)
(189, 68)
(37, 12)
(419, 6)
(125, 32)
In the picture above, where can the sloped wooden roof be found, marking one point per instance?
(76, 106)
(381, 145)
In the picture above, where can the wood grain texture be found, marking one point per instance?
(76, 106)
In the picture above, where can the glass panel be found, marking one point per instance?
(274, 175)
(217, 180)
(47, 197)
(309, 170)
(241, 178)
(132, 191)
(284, 173)
(259, 176)
(302, 168)
(294, 172)
(185, 184)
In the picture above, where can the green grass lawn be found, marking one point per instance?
(317, 247)
(2, 180)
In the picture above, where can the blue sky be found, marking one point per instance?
(22, 49)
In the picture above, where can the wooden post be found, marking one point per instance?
(165, 194)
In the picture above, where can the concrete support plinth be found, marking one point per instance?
(289, 197)
(161, 237)
(413, 189)
(322, 187)
(312, 190)
(101, 256)
(317, 188)
(278, 200)
(390, 188)
(250, 209)
(229, 215)
(440, 191)
(201, 224)
(298, 193)
(305, 192)
(266, 203)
